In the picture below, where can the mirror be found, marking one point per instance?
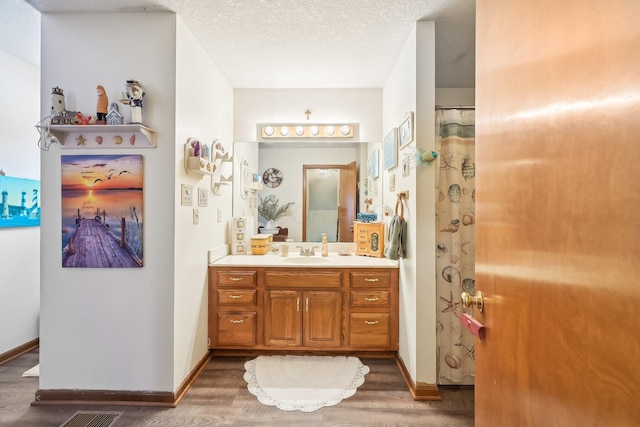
(329, 202)
(289, 158)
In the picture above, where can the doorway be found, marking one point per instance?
(328, 202)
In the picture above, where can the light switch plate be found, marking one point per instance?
(196, 217)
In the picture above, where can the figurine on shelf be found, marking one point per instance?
(134, 92)
(114, 117)
(81, 119)
(57, 100)
(101, 108)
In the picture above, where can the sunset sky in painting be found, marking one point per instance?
(101, 172)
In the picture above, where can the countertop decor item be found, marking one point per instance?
(270, 211)
(366, 217)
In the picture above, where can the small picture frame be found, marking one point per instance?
(392, 182)
(406, 166)
(406, 131)
(390, 149)
(186, 195)
(203, 196)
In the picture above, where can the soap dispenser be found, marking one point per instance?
(325, 246)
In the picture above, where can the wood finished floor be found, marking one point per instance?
(219, 397)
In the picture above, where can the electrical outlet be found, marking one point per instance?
(196, 217)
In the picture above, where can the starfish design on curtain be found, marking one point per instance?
(452, 306)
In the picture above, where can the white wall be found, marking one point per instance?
(204, 110)
(111, 329)
(19, 157)
(411, 87)
(253, 106)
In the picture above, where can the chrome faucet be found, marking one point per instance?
(307, 251)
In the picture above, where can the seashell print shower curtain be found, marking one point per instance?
(455, 236)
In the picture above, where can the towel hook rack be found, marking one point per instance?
(400, 202)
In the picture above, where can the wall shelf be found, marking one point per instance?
(104, 136)
(199, 166)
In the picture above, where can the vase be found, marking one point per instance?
(269, 225)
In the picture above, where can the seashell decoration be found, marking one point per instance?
(99, 139)
(441, 249)
(454, 259)
(132, 140)
(469, 285)
(117, 140)
(468, 168)
(441, 196)
(453, 361)
(448, 272)
(452, 227)
(455, 193)
(468, 219)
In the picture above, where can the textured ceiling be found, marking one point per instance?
(312, 43)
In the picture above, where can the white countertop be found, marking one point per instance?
(334, 260)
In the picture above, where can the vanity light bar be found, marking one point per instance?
(307, 131)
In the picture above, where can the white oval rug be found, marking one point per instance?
(304, 383)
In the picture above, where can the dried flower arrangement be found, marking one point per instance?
(269, 209)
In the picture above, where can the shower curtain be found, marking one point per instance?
(455, 236)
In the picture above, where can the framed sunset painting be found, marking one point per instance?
(102, 212)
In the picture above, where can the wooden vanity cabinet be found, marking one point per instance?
(236, 319)
(332, 309)
(303, 318)
(373, 313)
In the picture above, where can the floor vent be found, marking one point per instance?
(92, 419)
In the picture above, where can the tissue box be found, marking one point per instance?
(260, 244)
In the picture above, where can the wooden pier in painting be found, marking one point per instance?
(94, 246)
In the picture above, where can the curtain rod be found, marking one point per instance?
(455, 107)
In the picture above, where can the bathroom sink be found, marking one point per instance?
(305, 260)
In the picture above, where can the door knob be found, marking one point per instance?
(476, 300)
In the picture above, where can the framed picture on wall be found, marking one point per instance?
(373, 164)
(203, 196)
(406, 131)
(390, 149)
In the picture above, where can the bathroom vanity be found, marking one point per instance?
(298, 303)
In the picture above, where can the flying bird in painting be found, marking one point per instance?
(124, 172)
(97, 180)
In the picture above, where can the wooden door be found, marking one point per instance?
(283, 318)
(347, 207)
(557, 215)
(322, 318)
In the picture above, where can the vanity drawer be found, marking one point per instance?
(236, 329)
(370, 330)
(370, 278)
(237, 278)
(236, 297)
(370, 298)
(300, 279)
